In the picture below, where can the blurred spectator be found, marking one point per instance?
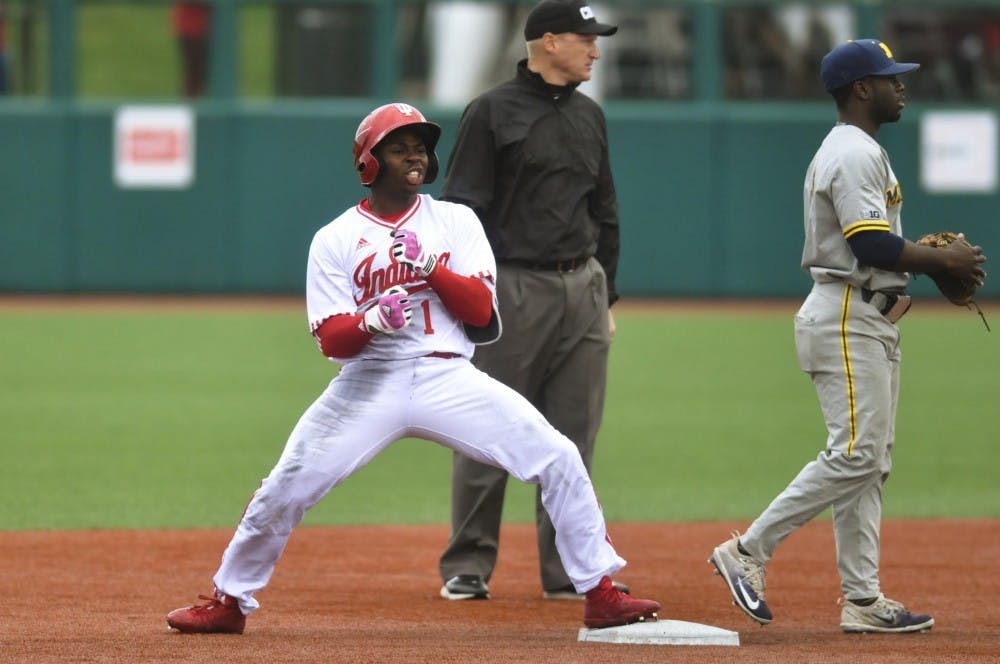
(812, 31)
(3, 50)
(961, 49)
(990, 74)
(773, 52)
(474, 45)
(651, 59)
(192, 24)
(467, 39)
(758, 55)
(976, 56)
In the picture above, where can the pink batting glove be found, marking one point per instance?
(407, 250)
(390, 314)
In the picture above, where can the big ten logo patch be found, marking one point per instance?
(893, 196)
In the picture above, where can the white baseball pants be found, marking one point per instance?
(372, 404)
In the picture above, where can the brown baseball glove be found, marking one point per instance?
(957, 291)
(960, 292)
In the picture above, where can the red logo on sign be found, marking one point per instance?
(154, 145)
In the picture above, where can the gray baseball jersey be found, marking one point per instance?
(849, 188)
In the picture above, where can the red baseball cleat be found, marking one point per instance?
(607, 606)
(220, 614)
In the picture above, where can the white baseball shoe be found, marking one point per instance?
(745, 578)
(884, 615)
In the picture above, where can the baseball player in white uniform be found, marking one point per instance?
(847, 340)
(399, 289)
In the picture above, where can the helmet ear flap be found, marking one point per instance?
(431, 136)
(432, 168)
(368, 168)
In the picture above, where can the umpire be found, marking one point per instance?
(531, 158)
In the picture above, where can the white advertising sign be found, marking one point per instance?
(958, 152)
(154, 147)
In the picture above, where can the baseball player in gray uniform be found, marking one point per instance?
(847, 340)
(396, 256)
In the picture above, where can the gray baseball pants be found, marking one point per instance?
(852, 354)
(553, 351)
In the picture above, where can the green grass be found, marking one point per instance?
(128, 49)
(170, 419)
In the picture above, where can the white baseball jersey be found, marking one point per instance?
(351, 264)
(393, 388)
(849, 188)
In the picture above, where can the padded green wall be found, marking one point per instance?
(710, 198)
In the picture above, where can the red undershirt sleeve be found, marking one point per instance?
(467, 298)
(342, 336)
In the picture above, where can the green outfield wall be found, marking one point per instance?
(710, 197)
(709, 188)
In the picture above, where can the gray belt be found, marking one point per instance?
(890, 305)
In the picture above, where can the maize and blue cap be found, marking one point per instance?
(858, 58)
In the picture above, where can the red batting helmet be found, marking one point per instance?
(377, 126)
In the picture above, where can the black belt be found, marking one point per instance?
(886, 302)
(567, 265)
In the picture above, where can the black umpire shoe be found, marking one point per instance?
(465, 586)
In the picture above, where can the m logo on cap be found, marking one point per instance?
(885, 48)
(586, 12)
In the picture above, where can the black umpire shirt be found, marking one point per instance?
(532, 160)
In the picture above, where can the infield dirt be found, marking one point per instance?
(370, 594)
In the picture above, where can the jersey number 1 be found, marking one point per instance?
(426, 306)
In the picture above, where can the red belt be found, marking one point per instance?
(443, 356)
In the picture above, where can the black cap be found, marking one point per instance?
(557, 16)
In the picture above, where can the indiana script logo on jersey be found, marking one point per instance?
(373, 281)
(893, 196)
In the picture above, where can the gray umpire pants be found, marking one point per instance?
(852, 354)
(553, 351)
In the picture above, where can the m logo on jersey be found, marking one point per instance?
(893, 196)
